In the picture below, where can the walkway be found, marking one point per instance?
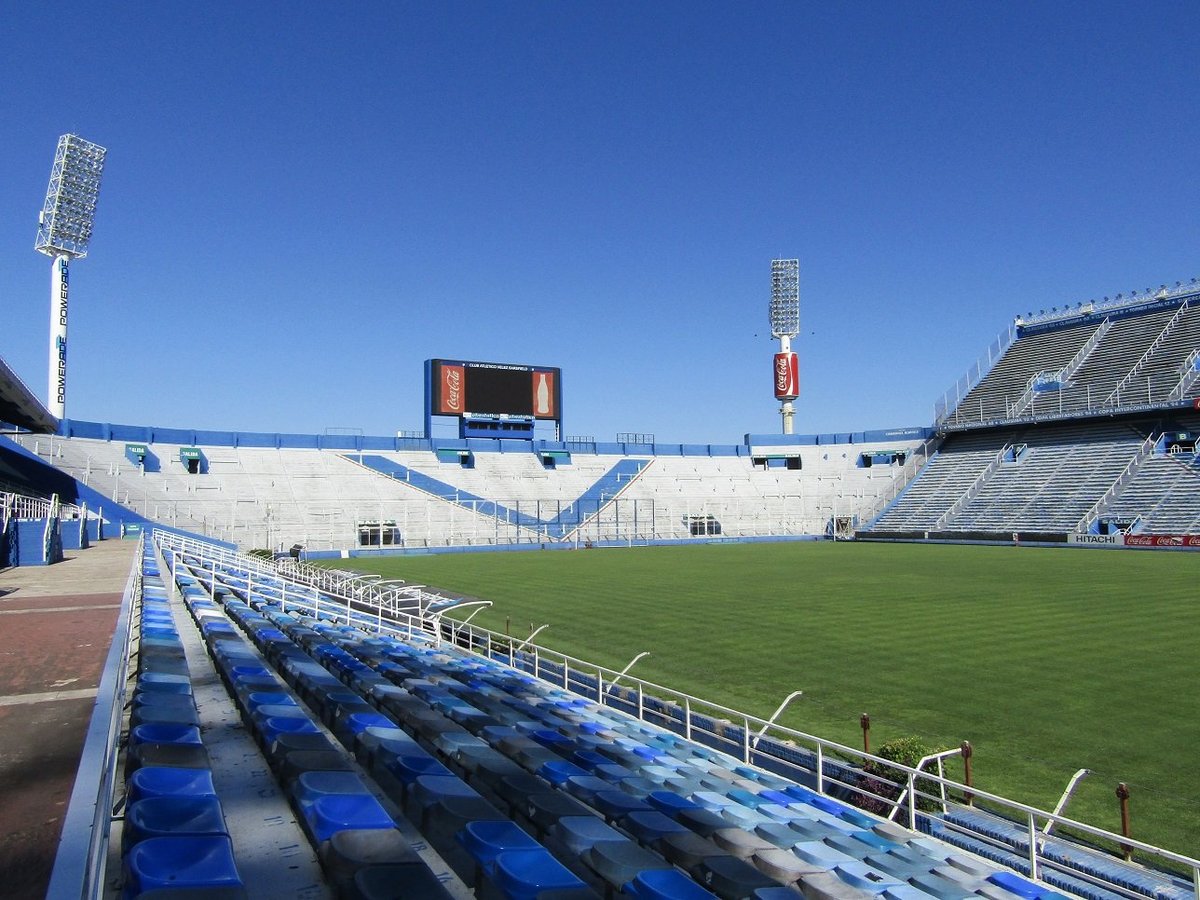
(56, 624)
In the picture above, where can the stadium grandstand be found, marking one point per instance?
(264, 727)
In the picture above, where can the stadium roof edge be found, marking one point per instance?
(1118, 304)
(350, 443)
(19, 407)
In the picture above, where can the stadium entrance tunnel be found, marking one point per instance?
(193, 460)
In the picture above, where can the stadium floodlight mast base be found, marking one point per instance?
(64, 231)
(785, 325)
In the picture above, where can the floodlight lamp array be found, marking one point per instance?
(65, 223)
(785, 297)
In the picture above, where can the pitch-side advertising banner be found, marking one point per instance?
(1115, 540)
(1162, 540)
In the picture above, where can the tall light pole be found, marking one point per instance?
(785, 325)
(64, 230)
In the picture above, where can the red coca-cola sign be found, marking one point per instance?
(787, 376)
(452, 400)
(1162, 540)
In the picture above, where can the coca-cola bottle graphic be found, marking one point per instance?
(541, 394)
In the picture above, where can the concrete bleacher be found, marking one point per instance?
(947, 476)
(1134, 354)
(276, 496)
(1055, 481)
(1056, 478)
(1163, 497)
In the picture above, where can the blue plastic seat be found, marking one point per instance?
(615, 805)
(618, 862)
(585, 787)
(163, 781)
(524, 874)
(860, 875)
(414, 763)
(669, 803)
(310, 786)
(164, 816)
(1015, 884)
(180, 862)
(484, 841)
(358, 722)
(826, 805)
(277, 725)
(666, 884)
(269, 698)
(558, 771)
(164, 733)
(649, 827)
(581, 833)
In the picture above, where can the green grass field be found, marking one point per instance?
(1047, 660)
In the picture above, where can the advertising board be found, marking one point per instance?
(495, 390)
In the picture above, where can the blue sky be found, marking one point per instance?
(302, 202)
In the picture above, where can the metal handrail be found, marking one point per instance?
(80, 863)
(969, 494)
(1145, 449)
(1114, 399)
(1189, 372)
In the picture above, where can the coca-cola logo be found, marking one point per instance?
(786, 376)
(452, 393)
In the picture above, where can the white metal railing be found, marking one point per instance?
(346, 587)
(1189, 373)
(21, 506)
(947, 405)
(913, 463)
(1114, 399)
(969, 494)
(1144, 449)
(1061, 375)
(1119, 302)
(51, 529)
(736, 733)
(80, 863)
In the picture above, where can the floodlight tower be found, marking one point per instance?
(785, 325)
(64, 230)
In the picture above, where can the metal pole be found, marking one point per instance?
(628, 666)
(1065, 798)
(968, 779)
(1126, 830)
(775, 715)
(532, 635)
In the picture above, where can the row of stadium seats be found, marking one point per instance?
(1060, 473)
(361, 851)
(174, 834)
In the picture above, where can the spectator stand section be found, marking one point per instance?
(1127, 354)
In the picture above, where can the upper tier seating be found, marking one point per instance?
(1102, 362)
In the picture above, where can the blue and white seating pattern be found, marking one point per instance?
(525, 789)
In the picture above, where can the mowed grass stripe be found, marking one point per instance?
(1047, 660)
